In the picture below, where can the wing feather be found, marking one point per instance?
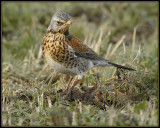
(81, 49)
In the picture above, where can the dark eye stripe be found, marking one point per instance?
(59, 23)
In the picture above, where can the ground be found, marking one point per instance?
(122, 32)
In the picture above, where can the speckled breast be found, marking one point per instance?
(59, 56)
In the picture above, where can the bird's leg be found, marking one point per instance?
(74, 84)
(69, 83)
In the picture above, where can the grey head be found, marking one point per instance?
(60, 22)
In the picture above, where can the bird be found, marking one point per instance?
(67, 54)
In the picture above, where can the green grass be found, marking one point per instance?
(124, 33)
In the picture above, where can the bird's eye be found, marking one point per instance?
(59, 23)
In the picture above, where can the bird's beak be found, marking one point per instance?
(68, 22)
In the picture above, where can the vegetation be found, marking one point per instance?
(122, 32)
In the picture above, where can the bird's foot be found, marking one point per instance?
(68, 94)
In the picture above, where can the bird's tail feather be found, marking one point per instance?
(120, 66)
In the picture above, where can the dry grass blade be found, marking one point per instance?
(108, 51)
(117, 45)
(98, 44)
(138, 54)
(134, 39)
(124, 48)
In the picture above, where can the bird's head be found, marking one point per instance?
(60, 22)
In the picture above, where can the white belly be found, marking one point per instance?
(61, 68)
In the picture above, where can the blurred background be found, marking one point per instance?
(25, 23)
(123, 32)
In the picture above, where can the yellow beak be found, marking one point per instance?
(68, 22)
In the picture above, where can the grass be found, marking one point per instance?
(124, 33)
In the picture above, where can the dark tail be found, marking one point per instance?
(120, 66)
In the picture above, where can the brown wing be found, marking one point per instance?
(81, 49)
(77, 45)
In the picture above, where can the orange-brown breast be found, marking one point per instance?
(53, 45)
